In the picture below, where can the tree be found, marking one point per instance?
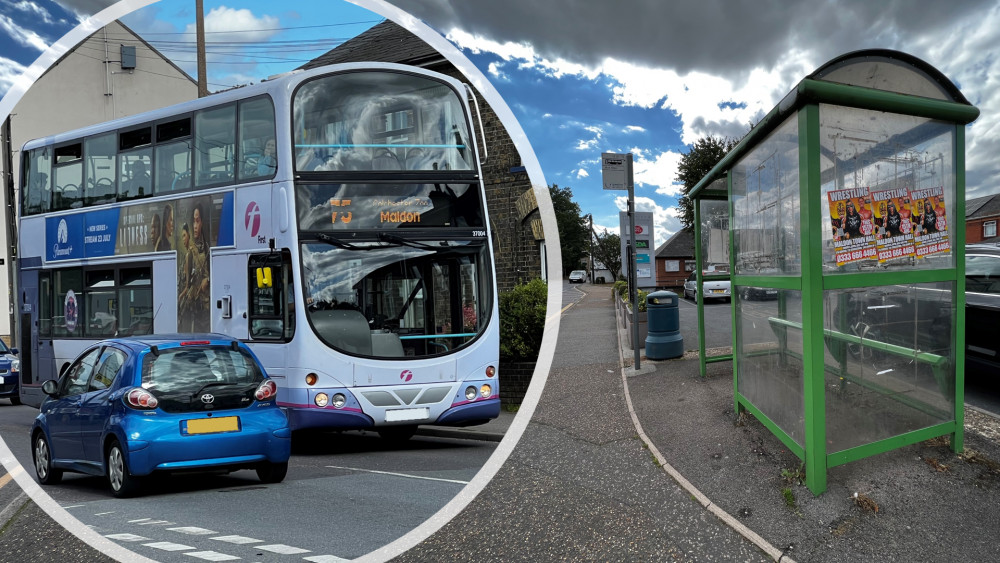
(608, 251)
(694, 165)
(574, 238)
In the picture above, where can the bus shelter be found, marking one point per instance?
(843, 210)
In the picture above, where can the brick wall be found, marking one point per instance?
(514, 380)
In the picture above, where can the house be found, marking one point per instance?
(112, 73)
(981, 217)
(518, 239)
(675, 259)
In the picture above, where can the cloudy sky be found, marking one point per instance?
(586, 77)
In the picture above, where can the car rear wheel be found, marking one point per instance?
(269, 472)
(15, 400)
(46, 474)
(123, 484)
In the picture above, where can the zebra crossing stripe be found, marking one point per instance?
(212, 556)
(168, 546)
(126, 537)
(282, 549)
(239, 540)
(324, 559)
(193, 531)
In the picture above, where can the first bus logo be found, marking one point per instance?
(251, 219)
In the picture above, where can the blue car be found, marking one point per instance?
(10, 371)
(130, 407)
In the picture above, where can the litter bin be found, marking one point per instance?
(663, 339)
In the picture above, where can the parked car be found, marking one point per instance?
(10, 374)
(982, 306)
(716, 289)
(749, 293)
(130, 407)
(578, 276)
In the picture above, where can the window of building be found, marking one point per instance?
(989, 229)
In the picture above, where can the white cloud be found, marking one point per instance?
(9, 73)
(658, 171)
(495, 71)
(634, 129)
(582, 173)
(33, 10)
(21, 35)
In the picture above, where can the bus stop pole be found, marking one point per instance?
(633, 290)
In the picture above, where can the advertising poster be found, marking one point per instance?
(930, 225)
(893, 226)
(853, 225)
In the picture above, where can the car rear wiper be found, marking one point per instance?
(210, 384)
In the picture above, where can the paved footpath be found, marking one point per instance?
(581, 485)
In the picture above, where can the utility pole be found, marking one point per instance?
(200, 32)
(590, 236)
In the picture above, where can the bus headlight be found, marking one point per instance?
(339, 400)
(321, 399)
(485, 390)
(470, 393)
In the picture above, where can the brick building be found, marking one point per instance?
(982, 215)
(518, 239)
(675, 259)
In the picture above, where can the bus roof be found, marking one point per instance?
(280, 84)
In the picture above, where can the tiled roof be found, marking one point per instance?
(681, 245)
(385, 42)
(987, 206)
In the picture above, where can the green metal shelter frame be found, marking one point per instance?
(855, 357)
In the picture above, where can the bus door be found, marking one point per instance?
(271, 308)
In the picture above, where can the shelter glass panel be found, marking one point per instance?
(888, 184)
(765, 195)
(890, 362)
(769, 359)
(714, 235)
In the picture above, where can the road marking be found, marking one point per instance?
(239, 540)
(282, 549)
(5, 479)
(324, 559)
(212, 556)
(399, 474)
(72, 506)
(150, 522)
(193, 531)
(104, 513)
(126, 537)
(168, 546)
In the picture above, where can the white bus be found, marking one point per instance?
(334, 219)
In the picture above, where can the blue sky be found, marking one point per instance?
(586, 77)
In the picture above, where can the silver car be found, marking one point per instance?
(578, 276)
(716, 289)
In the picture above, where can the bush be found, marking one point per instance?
(621, 290)
(522, 321)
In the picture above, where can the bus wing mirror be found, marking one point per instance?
(264, 279)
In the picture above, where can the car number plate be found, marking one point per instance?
(718, 291)
(402, 415)
(210, 425)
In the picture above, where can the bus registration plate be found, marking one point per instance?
(402, 415)
(210, 425)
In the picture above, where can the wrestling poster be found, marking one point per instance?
(893, 224)
(930, 224)
(853, 225)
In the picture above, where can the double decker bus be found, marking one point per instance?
(334, 219)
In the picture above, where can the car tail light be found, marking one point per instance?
(141, 399)
(266, 390)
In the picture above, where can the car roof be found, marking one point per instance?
(160, 340)
(982, 249)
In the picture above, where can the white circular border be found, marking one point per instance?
(554, 264)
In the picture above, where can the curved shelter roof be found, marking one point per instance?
(875, 79)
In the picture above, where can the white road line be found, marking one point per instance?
(324, 559)
(148, 522)
(72, 506)
(399, 474)
(282, 549)
(126, 537)
(239, 540)
(193, 531)
(104, 513)
(168, 546)
(212, 556)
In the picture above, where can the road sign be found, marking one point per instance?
(616, 171)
